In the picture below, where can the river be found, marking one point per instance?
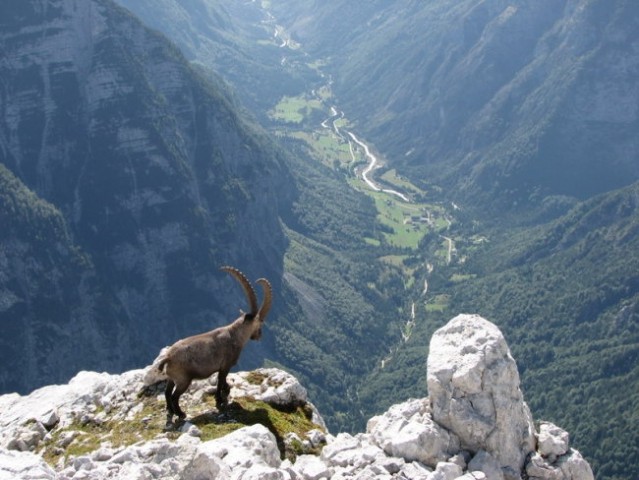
(373, 162)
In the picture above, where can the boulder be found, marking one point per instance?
(570, 466)
(270, 385)
(484, 462)
(407, 430)
(245, 447)
(24, 465)
(311, 467)
(351, 452)
(474, 391)
(415, 471)
(446, 471)
(552, 441)
(574, 467)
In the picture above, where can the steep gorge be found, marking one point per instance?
(537, 143)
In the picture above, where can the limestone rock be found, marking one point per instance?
(473, 386)
(272, 386)
(446, 471)
(248, 446)
(24, 465)
(552, 441)
(474, 476)
(472, 378)
(573, 466)
(350, 452)
(416, 471)
(311, 467)
(484, 462)
(408, 431)
(570, 466)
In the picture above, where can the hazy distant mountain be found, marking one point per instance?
(500, 100)
(221, 38)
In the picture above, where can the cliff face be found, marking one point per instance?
(474, 425)
(152, 181)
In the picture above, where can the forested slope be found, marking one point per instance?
(566, 295)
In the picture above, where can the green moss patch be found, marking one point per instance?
(247, 411)
(149, 422)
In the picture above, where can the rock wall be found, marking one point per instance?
(154, 180)
(474, 425)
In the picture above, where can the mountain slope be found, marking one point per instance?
(48, 295)
(156, 178)
(507, 102)
(525, 104)
(575, 285)
(566, 296)
(338, 310)
(220, 37)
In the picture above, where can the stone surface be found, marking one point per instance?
(574, 466)
(485, 462)
(311, 467)
(408, 431)
(407, 441)
(473, 386)
(271, 385)
(446, 471)
(248, 446)
(567, 467)
(23, 465)
(552, 441)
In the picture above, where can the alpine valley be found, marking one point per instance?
(387, 165)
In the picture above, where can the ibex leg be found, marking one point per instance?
(180, 388)
(223, 390)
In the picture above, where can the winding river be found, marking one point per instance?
(373, 162)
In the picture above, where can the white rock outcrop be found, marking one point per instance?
(474, 425)
(408, 431)
(473, 387)
(24, 465)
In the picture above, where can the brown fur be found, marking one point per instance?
(200, 356)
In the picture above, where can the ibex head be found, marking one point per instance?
(255, 314)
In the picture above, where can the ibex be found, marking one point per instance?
(200, 356)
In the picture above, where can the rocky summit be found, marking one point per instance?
(474, 424)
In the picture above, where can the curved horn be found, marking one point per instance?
(246, 285)
(266, 303)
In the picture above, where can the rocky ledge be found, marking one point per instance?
(474, 425)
